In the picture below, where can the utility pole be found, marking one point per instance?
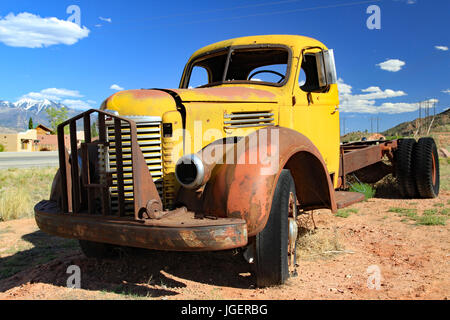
(344, 124)
(343, 127)
(420, 117)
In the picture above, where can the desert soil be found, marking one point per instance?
(342, 254)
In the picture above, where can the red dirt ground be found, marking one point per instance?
(413, 261)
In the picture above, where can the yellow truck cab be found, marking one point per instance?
(227, 160)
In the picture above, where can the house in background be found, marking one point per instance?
(43, 130)
(39, 139)
(19, 142)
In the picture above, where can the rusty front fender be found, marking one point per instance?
(244, 188)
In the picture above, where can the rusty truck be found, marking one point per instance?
(249, 141)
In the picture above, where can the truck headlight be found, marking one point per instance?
(190, 171)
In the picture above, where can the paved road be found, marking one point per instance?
(28, 159)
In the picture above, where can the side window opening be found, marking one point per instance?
(310, 74)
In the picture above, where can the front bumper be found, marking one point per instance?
(179, 230)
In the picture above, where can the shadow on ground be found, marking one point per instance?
(136, 272)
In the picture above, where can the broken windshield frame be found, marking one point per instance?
(228, 51)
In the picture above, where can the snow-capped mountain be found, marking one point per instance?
(36, 105)
(17, 114)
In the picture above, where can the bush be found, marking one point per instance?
(363, 188)
(2, 148)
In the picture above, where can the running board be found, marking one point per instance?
(347, 198)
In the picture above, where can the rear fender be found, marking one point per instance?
(245, 188)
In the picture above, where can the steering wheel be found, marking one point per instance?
(268, 71)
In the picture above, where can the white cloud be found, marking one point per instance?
(77, 104)
(116, 87)
(105, 19)
(377, 93)
(442, 48)
(446, 91)
(366, 103)
(392, 65)
(54, 94)
(407, 1)
(98, 25)
(31, 31)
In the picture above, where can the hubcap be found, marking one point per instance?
(293, 232)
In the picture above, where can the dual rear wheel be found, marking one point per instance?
(417, 168)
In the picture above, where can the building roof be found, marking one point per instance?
(41, 126)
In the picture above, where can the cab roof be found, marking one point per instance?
(295, 42)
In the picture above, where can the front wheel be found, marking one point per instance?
(275, 245)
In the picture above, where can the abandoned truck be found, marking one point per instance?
(248, 141)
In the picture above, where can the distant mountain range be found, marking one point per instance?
(15, 115)
(438, 123)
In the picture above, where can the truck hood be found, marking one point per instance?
(157, 102)
(226, 94)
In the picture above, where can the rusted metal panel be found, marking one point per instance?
(358, 155)
(345, 198)
(244, 190)
(355, 159)
(181, 233)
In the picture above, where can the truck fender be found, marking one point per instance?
(245, 188)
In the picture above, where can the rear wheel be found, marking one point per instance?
(275, 245)
(426, 168)
(404, 168)
(97, 250)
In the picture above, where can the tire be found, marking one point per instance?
(426, 168)
(404, 168)
(271, 244)
(97, 250)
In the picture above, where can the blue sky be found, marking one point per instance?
(144, 44)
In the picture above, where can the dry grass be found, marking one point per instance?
(314, 243)
(21, 189)
(444, 172)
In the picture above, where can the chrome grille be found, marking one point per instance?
(248, 119)
(149, 140)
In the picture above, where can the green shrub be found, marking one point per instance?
(344, 213)
(430, 212)
(411, 213)
(363, 188)
(2, 148)
(431, 220)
